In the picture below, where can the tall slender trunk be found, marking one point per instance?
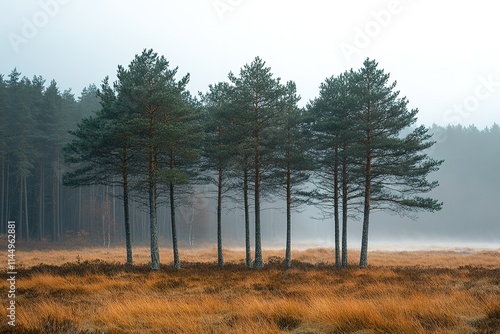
(113, 216)
(7, 195)
(288, 250)
(220, 258)
(54, 201)
(40, 204)
(258, 247)
(58, 198)
(363, 261)
(336, 206)
(26, 220)
(248, 255)
(153, 224)
(80, 210)
(126, 215)
(344, 210)
(20, 224)
(177, 263)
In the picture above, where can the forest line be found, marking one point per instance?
(146, 137)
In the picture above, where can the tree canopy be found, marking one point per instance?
(353, 150)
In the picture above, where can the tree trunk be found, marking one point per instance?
(7, 196)
(258, 247)
(177, 263)
(288, 251)
(363, 262)
(26, 209)
(113, 216)
(128, 243)
(336, 206)
(40, 203)
(220, 258)
(344, 211)
(153, 224)
(58, 198)
(248, 255)
(80, 209)
(20, 224)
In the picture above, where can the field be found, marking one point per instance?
(91, 291)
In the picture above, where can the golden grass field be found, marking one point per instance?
(91, 291)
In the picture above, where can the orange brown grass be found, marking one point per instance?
(88, 291)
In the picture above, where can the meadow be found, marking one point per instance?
(90, 290)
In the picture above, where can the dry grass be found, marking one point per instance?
(30, 256)
(408, 292)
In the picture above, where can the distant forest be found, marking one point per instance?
(38, 120)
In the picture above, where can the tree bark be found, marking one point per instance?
(344, 210)
(177, 263)
(220, 258)
(288, 251)
(153, 224)
(336, 206)
(126, 214)
(258, 247)
(26, 209)
(41, 203)
(20, 224)
(248, 255)
(363, 262)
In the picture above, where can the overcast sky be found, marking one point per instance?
(444, 55)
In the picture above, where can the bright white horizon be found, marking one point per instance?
(443, 55)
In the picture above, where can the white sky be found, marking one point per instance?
(444, 55)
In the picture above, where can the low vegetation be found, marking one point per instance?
(84, 291)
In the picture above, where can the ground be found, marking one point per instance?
(90, 290)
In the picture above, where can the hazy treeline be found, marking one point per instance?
(34, 120)
(36, 117)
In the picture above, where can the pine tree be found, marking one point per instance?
(336, 149)
(257, 97)
(149, 91)
(291, 161)
(182, 135)
(395, 166)
(102, 151)
(219, 148)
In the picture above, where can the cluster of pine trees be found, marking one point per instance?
(145, 141)
(352, 150)
(34, 119)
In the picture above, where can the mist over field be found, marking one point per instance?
(468, 187)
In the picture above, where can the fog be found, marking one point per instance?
(469, 183)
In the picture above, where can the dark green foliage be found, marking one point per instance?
(363, 158)
(259, 101)
(146, 134)
(147, 129)
(101, 152)
(395, 167)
